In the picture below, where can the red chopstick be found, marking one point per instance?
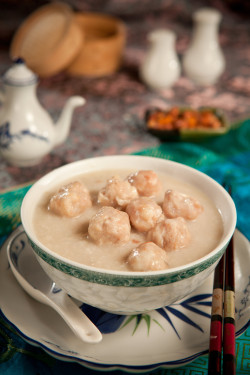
(229, 314)
(215, 343)
(223, 318)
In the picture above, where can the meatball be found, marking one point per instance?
(117, 193)
(109, 226)
(143, 213)
(71, 200)
(147, 257)
(170, 234)
(177, 204)
(147, 183)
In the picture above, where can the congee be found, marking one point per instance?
(128, 220)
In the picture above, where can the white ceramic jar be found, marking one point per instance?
(204, 61)
(161, 67)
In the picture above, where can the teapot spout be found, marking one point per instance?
(62, 127)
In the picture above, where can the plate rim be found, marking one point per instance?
(98, 365)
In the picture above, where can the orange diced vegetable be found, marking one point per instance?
(176, 118)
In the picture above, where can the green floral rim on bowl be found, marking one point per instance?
(125, 279)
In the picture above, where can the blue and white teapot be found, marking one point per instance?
(27, 132)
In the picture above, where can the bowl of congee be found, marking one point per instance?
(128, 234)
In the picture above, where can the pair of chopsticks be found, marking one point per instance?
(222, 329)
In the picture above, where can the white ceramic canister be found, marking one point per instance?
(204, 61)
(161, 67)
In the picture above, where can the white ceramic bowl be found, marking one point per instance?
(128, 292)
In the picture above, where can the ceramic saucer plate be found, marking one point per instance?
(167, 338)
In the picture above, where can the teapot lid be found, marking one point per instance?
(19, 74)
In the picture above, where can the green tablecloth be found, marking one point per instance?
(226, 159)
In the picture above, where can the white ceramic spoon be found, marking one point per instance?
(37, 284)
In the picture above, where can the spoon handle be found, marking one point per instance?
(80, 324)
